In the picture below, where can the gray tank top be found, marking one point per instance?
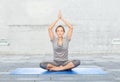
(60, 52)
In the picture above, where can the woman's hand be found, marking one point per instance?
(59, 15)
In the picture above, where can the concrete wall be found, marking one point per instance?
(24, 23)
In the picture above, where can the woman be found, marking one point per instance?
(60, 48)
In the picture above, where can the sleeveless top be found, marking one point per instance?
(60, 52)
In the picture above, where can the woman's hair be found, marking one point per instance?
(58, 27)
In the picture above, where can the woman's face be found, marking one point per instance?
(60, 32)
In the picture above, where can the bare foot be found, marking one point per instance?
(60, 68)
(49, 66)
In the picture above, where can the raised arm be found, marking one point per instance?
(51, 34)
(69, 33)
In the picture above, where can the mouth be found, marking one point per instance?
(60, 35)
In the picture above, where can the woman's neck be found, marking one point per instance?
(60, 38)
(60, 42)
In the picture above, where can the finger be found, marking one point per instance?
(59, 11)
(59, 14)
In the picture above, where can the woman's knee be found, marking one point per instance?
(43, 65)
(76, 62)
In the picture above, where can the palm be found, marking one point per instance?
(59, 15)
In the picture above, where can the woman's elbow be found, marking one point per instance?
(49, 29)
(71, 29)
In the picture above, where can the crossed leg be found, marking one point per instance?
(70, 65)
(51, 66)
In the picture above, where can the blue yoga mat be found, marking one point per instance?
(73, 71)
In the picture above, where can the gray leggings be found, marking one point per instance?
(59, 63)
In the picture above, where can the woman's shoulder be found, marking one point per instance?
(54, 39)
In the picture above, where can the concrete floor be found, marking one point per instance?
(109, 62)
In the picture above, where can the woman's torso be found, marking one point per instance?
(60, 51)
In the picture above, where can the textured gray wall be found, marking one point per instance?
(24, 23)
